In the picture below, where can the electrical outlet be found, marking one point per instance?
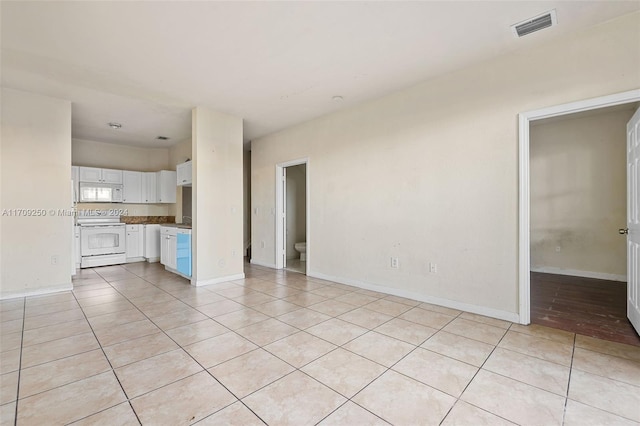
(233, 253)
(54, 260)
(395, 263)
(261, 244)
(433, 267)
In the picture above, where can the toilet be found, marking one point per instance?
(302, 249)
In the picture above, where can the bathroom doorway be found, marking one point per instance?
(292, 203)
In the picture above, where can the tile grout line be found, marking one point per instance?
(24, 315)
(204, 369)
(110, 365)
(566, 398)
(480, 368)
(304, 330)
(387, 368)
(180, 346)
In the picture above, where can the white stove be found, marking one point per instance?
(102, 241)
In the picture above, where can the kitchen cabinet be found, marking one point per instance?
(111, 176)
(175, 251)
(166, 186)
(134, 243)
(76, 246)
(149, 184)
(137, 187)
(97, 175)
(152, 243)
(132, 187)
(184, 172)
(90, 174)
(168, 249)
(75, 177)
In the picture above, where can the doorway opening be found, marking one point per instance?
(292, 205)
(525, 195)
(578, 203)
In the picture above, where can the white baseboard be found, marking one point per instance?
(576, 273)
(152, 259)
(37, 292)
(266, 265)
(217, 280)
(475, 309)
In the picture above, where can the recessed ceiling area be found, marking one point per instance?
(274, 64)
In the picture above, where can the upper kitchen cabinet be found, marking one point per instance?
(184, 172)
(133, 191)
(150, 187)
(111, 176)
(97, 175)
(90, 174)
(166, 186)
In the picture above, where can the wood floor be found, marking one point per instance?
(587, 306)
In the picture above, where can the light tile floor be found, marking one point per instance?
(135, 344)
(297, 265)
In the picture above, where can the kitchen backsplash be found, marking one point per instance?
(147, 219)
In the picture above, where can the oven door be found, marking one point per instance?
(102, 239)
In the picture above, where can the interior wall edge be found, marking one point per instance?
(461, 306)
(577, 273)
(266, 265)
(38, 292)
(199, 283)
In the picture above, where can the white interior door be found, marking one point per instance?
(284, 217)
(633, 222)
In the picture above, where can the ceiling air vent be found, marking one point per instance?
(540, 22)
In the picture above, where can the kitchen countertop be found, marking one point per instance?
(177, 225)
(148, 220)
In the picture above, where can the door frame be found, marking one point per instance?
(281, 202)
(524, 201)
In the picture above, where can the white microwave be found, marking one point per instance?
(100, 192)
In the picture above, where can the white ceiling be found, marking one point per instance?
(145, 64)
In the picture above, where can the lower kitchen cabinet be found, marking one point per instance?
(168, 241)
(152, 243)
(134, 243)
(76, 246)
(175, 250)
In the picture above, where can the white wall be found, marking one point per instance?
(35, 174)
(179, 153)
(429, 174)
(217, 197)
(123, 157)
(246, 199)
(296, 208)
(578, 194)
